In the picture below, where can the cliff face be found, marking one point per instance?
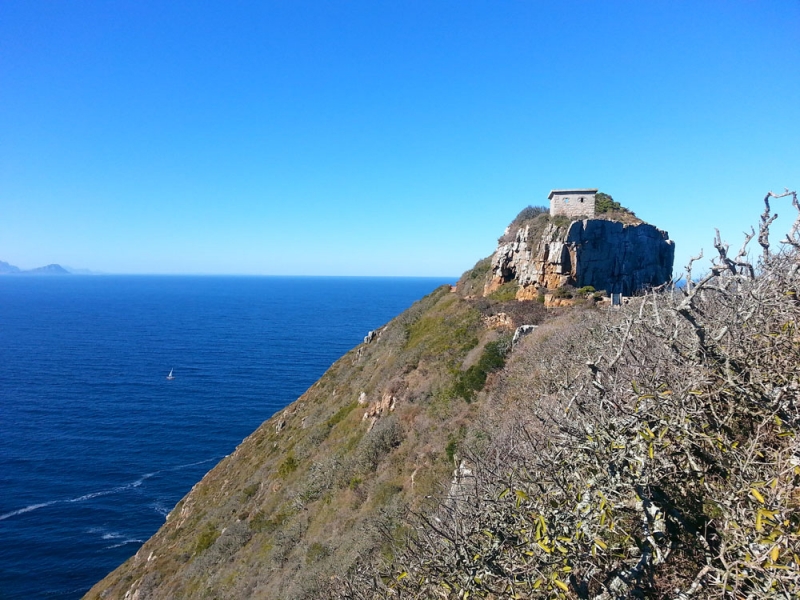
(607, 255)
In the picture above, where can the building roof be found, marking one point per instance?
(561, 192)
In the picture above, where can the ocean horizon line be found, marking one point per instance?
(27, 275)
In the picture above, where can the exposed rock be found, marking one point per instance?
(499, 321)
(362, 398)
(607, 255)
(551, 301)
(522, 331)
(375, 410)
(370, 336)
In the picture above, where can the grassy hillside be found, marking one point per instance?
(646, 452)
(325, 481)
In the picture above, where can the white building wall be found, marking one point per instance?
(572, 204)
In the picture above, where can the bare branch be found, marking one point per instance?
(793, 237)
(766, 221)
(688, 287)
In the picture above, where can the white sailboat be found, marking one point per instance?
(170, 377)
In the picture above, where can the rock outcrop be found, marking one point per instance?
(607, 255)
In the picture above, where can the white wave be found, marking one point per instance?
(186, 466)
(115, 490)
(130, 541)
(93, 495)
(14, 513)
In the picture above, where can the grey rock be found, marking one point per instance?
(522, 331)
(607, 255)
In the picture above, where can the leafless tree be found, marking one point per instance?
(649, 452)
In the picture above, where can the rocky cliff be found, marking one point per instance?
(316, 490)
(546, 253)
(439, 460)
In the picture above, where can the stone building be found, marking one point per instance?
(572, 203)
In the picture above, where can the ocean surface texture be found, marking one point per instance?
(97, 446)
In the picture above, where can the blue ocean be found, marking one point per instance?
(97, 445)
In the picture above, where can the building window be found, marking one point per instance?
(566, 200)
(581, 200)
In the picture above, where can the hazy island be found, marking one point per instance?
(54, 269)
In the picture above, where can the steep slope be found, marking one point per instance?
(327, 484)
(647, 452)
(321, 483)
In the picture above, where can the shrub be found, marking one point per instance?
(374, 446)
(654, 456)
(561, 220)
(250, 490)
(604, 203)
(384, 492)
(340, 415)
(316, 552)
(565, 291)
(206, 538)
(472, 282)
(528, 213)
(506, 292)
(289, 465)
(472, 380)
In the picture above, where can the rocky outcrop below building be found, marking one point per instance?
(605, 254)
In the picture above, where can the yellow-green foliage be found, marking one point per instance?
(472, 282)
(448, 329)
(204, 541)
(506, 292)
(289, 465)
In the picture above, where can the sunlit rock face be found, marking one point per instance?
(607, 255)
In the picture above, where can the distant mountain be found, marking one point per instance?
(7, 269)
(74, 271)
(54, 269)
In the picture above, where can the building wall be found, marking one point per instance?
(572, 205)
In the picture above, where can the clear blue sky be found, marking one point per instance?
(379, 138)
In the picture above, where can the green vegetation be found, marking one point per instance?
(250, 490)
(649, 452)
(206, 539)
(604, 203)
(633, 452)
(316, 552)
(449, 329)
(561, 220)
(472, 380)
(564, 292)
(289, 465)
(340, 415)
(607, 207)
(529, 213)
(472, 282)
(506, 292)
